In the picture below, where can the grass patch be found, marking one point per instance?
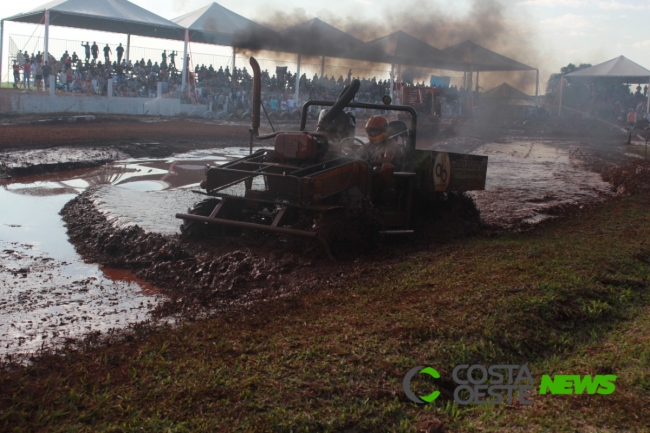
(569, 298)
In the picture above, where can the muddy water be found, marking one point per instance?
(532, 181)
(47, 292)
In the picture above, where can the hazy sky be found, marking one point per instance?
(555, 32)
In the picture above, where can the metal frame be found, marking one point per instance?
(404, 108)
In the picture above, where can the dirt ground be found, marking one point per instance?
(42, 131)
(537, 172)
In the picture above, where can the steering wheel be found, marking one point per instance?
(348, 149)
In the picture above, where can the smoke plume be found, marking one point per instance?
(486, 23)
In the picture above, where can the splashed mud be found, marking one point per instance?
(121, 215)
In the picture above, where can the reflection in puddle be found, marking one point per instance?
(144, 185)
(129, 278)
(47, 292)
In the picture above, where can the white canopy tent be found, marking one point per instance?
(620, 68)
(216, 25)
(114, 16)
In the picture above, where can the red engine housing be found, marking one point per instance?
(300, 146)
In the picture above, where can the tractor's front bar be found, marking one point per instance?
(245, 225)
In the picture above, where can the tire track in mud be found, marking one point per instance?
(542, 182)
(197, 278)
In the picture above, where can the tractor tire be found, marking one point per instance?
(198, 229)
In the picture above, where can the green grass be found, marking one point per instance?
(568, 298)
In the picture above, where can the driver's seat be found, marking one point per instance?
(397, 129)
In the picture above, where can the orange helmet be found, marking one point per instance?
(377, 129)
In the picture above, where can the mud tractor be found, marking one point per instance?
(312, 184)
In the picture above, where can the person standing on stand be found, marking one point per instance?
(163, 64)
(107, 54)
(47, 70)
(120, 51)
(95, 50)
(172, 56)
(16, 74)
(87, 51)
(27, 72)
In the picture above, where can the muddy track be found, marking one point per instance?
(218, 275)
(198, 277)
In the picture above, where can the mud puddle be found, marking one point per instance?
(532, 181)
(47, 292)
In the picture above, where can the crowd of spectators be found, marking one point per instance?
(614, 102)
(223, 90)
(91, 75)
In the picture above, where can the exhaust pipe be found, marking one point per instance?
(257, 96)
(347, 95)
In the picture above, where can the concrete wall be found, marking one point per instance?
(44, 103)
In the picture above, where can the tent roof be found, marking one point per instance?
(402, 48)
(508, 95)
(620, 67)
(115, 16)
(318, 38)
(482, 59)
(214, 24)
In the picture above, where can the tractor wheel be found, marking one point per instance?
(346, 230)
(198, 229)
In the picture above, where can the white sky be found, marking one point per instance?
(563, 31)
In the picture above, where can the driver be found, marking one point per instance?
(338, 131)
(381, 149)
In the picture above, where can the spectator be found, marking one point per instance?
(27, 70)
(87, 51)
(95, 50)
(16, 68)
(120, 51)
(47, 70)
(39, 77)
(107, 53)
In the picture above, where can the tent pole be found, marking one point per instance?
(392, 81)
(298, 80)
(477, 72)
(322, 67)
(2, 33)
(648, 98)
(400, 83)
(46, 54)
(128, 47)
(185, 62)
(234, 52)
(470, 86)
(559, 113)
(536, 83)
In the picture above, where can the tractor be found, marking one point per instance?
(311, 184)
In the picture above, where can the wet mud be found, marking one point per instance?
(48, 294)
(531, 182)
(197, 277)
(120, 216)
